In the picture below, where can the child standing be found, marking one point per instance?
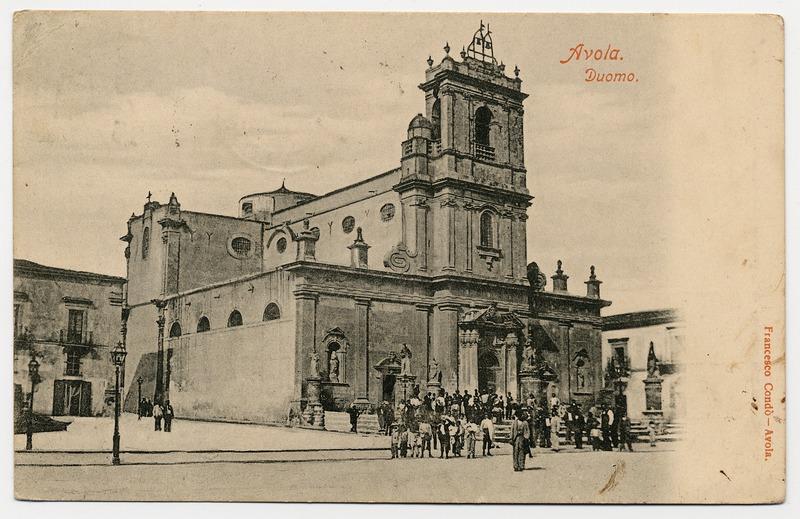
(651, 432)
(472, 434)
(395, 441)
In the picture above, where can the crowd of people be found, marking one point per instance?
(159, 413)
(453, 423)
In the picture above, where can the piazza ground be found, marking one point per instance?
(266, 463)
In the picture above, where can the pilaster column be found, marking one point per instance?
(507, 244)
(361, 353)
(422, 337)
(421, 211)
(448, 206)
(469, 209)
(445, 343)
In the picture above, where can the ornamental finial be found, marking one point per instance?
(447, 48)
(430, 61)
(516, 71)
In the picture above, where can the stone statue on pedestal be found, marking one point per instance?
(434, 373)
(405, 360)
(529, 356)
(314, 372)
(652, 363)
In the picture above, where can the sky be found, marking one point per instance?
(108, 107)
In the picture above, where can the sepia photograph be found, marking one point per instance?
(398, 257)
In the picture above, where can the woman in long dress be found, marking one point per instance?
(520, 434)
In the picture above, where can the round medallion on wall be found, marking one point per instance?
(387, 212)
(281, 245)
(348, 224)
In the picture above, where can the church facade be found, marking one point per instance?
(416, 276)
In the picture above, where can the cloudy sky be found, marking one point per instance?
(213, 106)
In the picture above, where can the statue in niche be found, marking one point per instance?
(333, 367)
(315, 365)
(405, 361)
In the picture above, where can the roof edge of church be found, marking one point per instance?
(339, 190)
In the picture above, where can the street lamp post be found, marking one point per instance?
(139, 381)
(33, 372)
(118, 358)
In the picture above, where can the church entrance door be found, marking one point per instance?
(388, 387)
(488, 372)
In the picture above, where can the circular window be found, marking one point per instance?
(387, 212)
(241, 246)
(281, 245)
(348, 224)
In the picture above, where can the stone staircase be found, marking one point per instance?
(672, 432)
(339, 422)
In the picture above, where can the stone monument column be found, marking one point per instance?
(511, 363)
(361, 353)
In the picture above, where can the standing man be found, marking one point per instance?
(169, 414)
(158, 414)
(578, 426)
(520, 435)
(613, 426)
(625, 434)
(605, 428)
(444, 438)
(425, 433)
(487, 427)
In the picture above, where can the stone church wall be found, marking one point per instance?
(242, 373)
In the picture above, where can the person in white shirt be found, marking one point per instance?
(487, 427)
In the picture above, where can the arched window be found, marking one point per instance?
(483, 118)
(235, 319)
(145, 242)
(272, 312)
(436, 119)
(203, 325)
(175, 329)
(487, 229)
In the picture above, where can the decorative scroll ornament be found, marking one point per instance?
(399, 259)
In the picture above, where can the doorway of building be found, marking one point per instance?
(488, 370)
(388, 387)
(72, 398)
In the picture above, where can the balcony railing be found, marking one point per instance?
(484, 152)
(75, 337)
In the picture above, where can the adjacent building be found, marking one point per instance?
(415, 276)
(647, 350)
(69, 320)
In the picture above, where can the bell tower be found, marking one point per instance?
(463, 179)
